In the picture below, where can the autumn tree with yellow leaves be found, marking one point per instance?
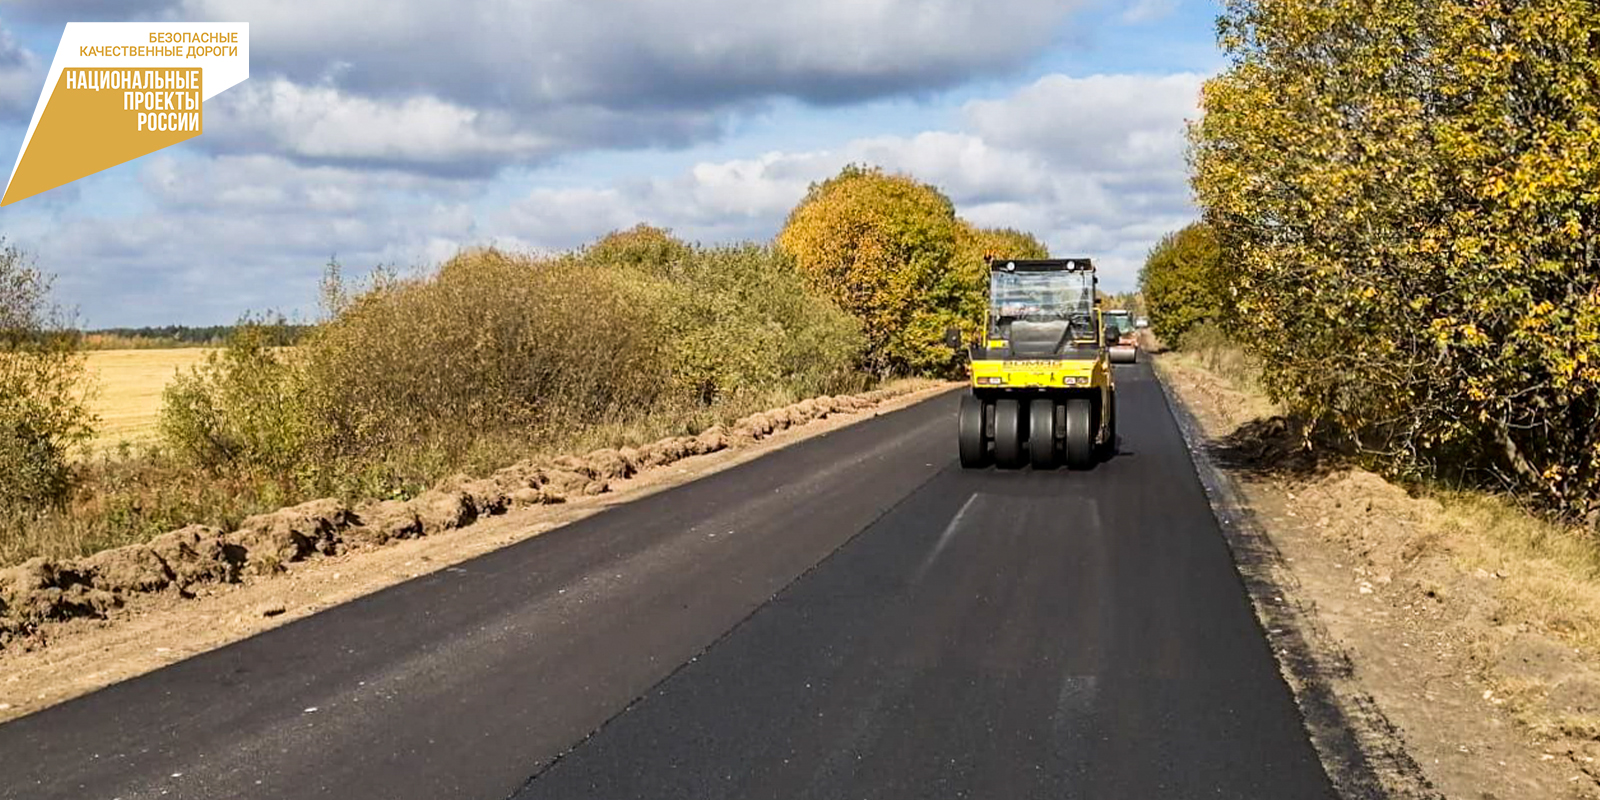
(891, 251)
(1408, 194)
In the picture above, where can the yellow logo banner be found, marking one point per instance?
(117, 91)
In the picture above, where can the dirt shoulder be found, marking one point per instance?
(1453, 634)
(64, 659)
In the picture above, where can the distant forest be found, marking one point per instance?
(180, 336)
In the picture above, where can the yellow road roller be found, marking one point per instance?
(1042, 392)
(1125, 350)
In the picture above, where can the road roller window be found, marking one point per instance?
(1042, 313)
(1041, 297)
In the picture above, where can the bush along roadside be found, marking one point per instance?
(492, 358)
(42, 589)
(1404, 194)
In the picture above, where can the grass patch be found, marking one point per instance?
(1547, 574)
(1206, 345)
(1547, 571)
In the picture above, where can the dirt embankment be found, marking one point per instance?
(200, 587)
(1468, 625)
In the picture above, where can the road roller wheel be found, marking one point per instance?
(1079, 433)
(1108, 448)
(1008, 433)
(969, 434)
(1042, 433)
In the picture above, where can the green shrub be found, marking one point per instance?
(43, 414)
(244, 406)
(500, 354)
(644, 247)
(738, 319)
(1183, 283)
(493, 341)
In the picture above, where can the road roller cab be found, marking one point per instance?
(1042, 391)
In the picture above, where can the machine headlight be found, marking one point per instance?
(1074, 380)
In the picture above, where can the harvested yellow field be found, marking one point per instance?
(128, 386)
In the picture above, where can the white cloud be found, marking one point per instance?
(325, 124)
(1142, 11)
(470, 86)
(1095, 123)
(231, 234)
(632, 53)
(21, 76)
(1092, 165)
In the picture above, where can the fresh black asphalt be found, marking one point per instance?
(852, 616)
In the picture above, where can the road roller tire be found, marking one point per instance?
(969, 434)
(1079, 433)
(1122, 354)
(1008, 433)
(1108, 448)
(1042, 433)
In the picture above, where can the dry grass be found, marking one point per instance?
(1245, 401)
(1548, 573)
(128, 384)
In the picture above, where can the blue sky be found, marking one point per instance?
(397, 131)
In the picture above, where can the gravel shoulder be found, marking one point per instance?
(1451, 633)
(65, 659)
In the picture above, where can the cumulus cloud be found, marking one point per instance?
(521, 82)
(1141, 11)
(749, 198)
(1097, 122)
(322, 124)
(220, 236)
(688, 52)
(21, 75)
(1092, 165)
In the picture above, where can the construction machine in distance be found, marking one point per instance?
(1126, 349)
(1042, 390)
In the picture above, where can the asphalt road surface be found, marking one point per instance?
(851, 617)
